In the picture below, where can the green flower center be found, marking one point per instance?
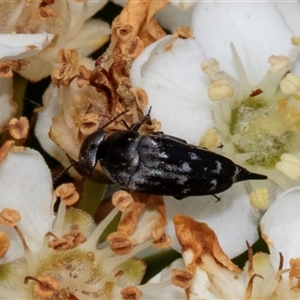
(252, 125)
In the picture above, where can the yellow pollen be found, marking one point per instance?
(259, 199)
(220, 89)
(295, 40)
(282, 103)
(289, 165)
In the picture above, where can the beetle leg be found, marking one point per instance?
(218, 198)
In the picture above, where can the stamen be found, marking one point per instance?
(289, 165)
(18, 129)
(290, 84)
(46, 286)
(210, 66)
(220, 89)
(131, 293)
(67, 193)
(211, 139)
(259, 199)
(182, 278)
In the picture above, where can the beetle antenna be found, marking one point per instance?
(62, 173)
(115, 118)
(136, 126)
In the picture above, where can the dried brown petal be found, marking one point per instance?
(295, 268)
(67, 193)
(18, 129)
(131, 293)
(4, 243)
(6, 69)
(200, 239)
(119, 243)
(67, 64)
(83, 76)
(9, 217)
(4, 149)
(122, 200)
(182, 278)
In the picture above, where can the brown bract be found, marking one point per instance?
(198, 241)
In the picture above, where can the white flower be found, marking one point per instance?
(279, 227)
(210, 274)
(45, 262)
(179, 93)
(26, 186)
(67, 21)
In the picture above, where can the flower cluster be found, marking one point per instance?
(215, 82)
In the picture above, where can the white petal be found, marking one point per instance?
(257, 30)
(177, 13)
(231, 218)
(19, 46)
(280, 226)
(176, 87)
(8, 108)
(26, 186)
(170, 291)
(50, 109)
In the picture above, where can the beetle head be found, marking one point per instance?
(88, 151)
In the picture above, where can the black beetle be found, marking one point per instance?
(159, 164)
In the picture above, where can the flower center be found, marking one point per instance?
(252, 124)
